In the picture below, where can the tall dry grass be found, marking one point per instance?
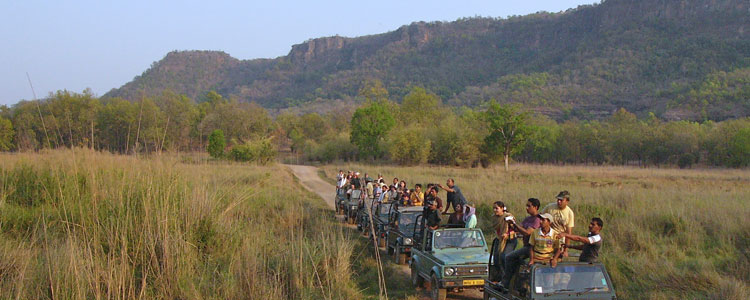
(81, 224)
(668, 233)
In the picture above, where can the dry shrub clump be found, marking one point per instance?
(78, 224)
(668, 233)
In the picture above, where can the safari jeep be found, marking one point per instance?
(568, 280)
(380, 221)
(363, 216)
(399, 238)
(351, 206)
(449, 259)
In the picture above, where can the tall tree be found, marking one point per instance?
(508, 127)
(369, 126)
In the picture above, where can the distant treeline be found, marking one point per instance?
(419, 130)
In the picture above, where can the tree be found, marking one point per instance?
(370, 124)
(419, 107)
(216, 143)
(739, 149)
(508, 130)
(6, 134)
(407, 147)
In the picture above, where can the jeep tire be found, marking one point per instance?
(399, 258)
(416, 280)
(436, 293)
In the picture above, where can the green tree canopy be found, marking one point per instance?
(369, 126)
(509, 129)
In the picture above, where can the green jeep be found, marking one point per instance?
(449, 259)
(399, 238)
(380, 221)
(568, 280)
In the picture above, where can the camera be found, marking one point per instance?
(509, 219)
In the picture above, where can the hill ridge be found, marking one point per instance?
(641, 55)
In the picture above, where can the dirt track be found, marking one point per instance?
(310, 179)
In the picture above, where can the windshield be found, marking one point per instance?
(385, 209)
(458, 239)
(569, 279)
(406, 221)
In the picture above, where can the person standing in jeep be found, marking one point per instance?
(592, 243)
(454, 195)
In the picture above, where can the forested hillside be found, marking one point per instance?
(662, 56)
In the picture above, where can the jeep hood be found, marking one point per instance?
(463, 257)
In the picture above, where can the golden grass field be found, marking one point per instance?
(77, 224)
(669, 234)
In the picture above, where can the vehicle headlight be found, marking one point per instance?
(407, 241)
(449, 271)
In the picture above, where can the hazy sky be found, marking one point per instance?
(102, 45)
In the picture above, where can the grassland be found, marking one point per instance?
(668, 233)
(76, 224)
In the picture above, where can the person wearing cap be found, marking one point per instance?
(592, 243)
(563, 219)
(544, 242)
(454, 195)
(432, 215)
(514, 259)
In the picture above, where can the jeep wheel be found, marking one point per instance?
(437, 293)
(416, 280)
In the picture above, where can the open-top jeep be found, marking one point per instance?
(401, 232)
(449, 259)
(380, 220)
(351, 206)
(363, 215)
(568, 280)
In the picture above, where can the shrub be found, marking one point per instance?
(216, 143)
(408, 147)
(261, 151)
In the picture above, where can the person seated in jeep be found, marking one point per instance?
(591, 243)
(514, 259)
(457, 217)
(545, 243)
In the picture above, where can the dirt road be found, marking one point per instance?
(310, 179)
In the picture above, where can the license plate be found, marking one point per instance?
(474, 282)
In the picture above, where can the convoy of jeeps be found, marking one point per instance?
(449, 259)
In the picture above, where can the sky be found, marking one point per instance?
(101, 45)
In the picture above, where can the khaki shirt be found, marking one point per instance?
(562, 219)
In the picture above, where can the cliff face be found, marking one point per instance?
(596, 58)
(316, 48)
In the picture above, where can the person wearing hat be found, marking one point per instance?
(563, 218)
(432, 215)
(544, 242)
